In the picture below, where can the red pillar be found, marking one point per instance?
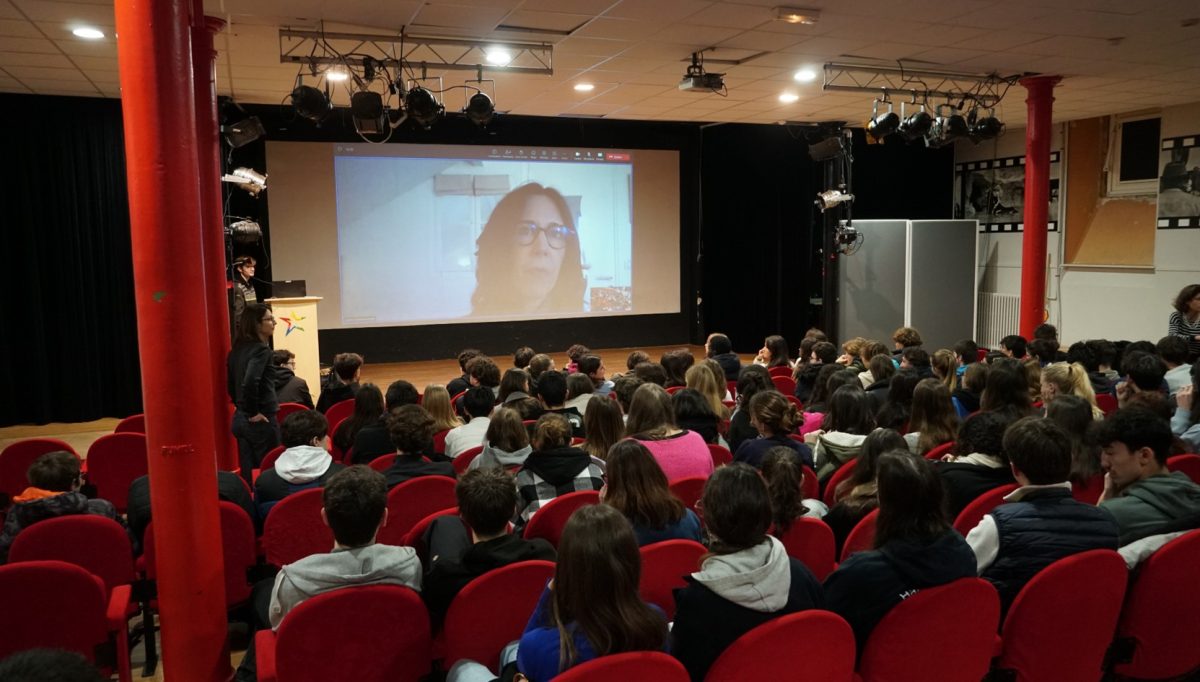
(212, 221)
(155, 59)
(1040, 103)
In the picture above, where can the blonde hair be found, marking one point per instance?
(700, 378)
(1072, 379)
(436, 401)
(1033, 377)
(945, 366)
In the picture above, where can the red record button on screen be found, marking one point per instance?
(617, 156)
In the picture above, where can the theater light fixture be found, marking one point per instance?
(368, 113)
(832, 197)
(947, 127)
(882, 124)
(423, 107)
(311, 103)
(915, 125)
(498, 56)
(337, 75)
(243, 132)
(248, 179)
(480, 109)
(985, 126)
(244, 232)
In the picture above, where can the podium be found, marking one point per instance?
(296, 330)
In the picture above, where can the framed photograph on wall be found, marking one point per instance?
(993, 192)
(1179, 183)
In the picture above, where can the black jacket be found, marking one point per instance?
(965, 482)
(969, 400)
(706, 427)
(270, 487)
(407, 467)
(740, 429)
(868, 584)
(730, 363)
(290, 388)
(332, 395)
(371, 442)
(251, 378)
(707, 623)
(572, 416)
(807, 382)
(230, 487)
(458, 385)
(877, 394)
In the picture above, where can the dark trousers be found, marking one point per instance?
(260, 606)
(255, 440)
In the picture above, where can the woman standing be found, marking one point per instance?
(1185, 321)
(252, 387)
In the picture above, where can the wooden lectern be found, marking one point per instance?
(296, 330)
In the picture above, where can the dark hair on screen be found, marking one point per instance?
(487, 499)
(878, 442)
(689, 405)
(1082, 353)
(248, 323)
(882, 368)
(1105, 352)
(589, 364)
(579, 384)
(576, 352)
(410, 428)
(513, 381)
(967, 351)
(1045, 350)
(538, 365)
(484, 370)
(355, 499)
(302, 426)
(933, 416)
(911, 500)
(1130, 350)
(1074, 415)
(282, 356)
(826, 352)
(637, 487)
(54, 471)
(1046, 332)
(506, 430)
(346, 365)
(494, 257)
(623, 387)
(465, 356)
(783, 474)
(651, 414)
(522, 356)
(778, 346)
(916, 356)
(737, 509)
(1007, 389)
(1173, 349)
(1039, 448)
(1146, 371)
(775, 413)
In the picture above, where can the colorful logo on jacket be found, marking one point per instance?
(291, 321)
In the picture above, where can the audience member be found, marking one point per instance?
(522, 356)
(514, 385)
(933, 420)
(676, 363)
(636, 358)
(1044, 351)
(624, 387)
(747, 578)
(1007, 390)
(1185, 422)
(720, 348)
(554, 468)
(775, 418)
(54, 482)
(823, 356)
(574, 354)
(539, 365)
(411, 430)
(1144, 373)
(1041, 522)
(401, 392)
(700, 379)
(752, 380)
(593, 367)
(252, 387)
(304, 464)
(967, 353)
(1074, 416)
(1013, 346)
(462, 382)
(851, 357)
(651, 373)
(774, 353)
(580, 390)
(483, 371)
(1140, 493)
(230, 487)
(552, 391)
(477, 403)
(437, 403)
(916, 359)
(368, 411)
(652, 422)
(49, 665)
(905, 337)
(289, 388)
(1184, 323)
(1064, 379)
(637, 487)
(880, 371)
(843, 431)
(694, 413)
(784, 476)
(978, 461)
(857, 495)
(915, 547)
(818, 399)
(945, 368)
(343, 381)
(505, 445)
(896, 409)
(604, 425)
(970, 390)
(1104, 377)
(1173, 351)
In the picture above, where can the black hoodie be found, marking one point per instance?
(547, 474)
(868, 584)
(290, 388)
(730, 363)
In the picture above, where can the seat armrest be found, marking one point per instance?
(264, 655)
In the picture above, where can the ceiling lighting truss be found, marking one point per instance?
(397, 51)
(986, 90)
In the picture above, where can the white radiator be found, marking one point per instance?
(999, 316)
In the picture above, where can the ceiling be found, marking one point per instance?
(1115, 55)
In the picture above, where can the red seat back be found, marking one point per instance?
(268, 461)
(810, 486)
(52, 604)
(939, 450)
(548, 521)
(1159, 619)
(95, 543)
(1188, 464)
(862, 536)
(492, 611)
(974, 512)
(842, 473)
(415, 537)
(964, 612)
(294, 529)
(810, 541)
(664, 566)
(16, 458)
(239, 551)
(1063, 620)
(1107, 403)
(688, 490)
(288, 408)
(785, 384)
(134, 423)
(720, 454)
(464, 460)
(1089, 491)
(114, 461)
(337, 412)
(794, 400)
(779, 371)
(412, 501)
(755, 656)
(439, 441)
(382, 634)
(635, 665)
(383, 462)
(981, 354)
(731, 386)
(672, 390)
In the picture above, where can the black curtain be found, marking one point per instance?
(68, 334)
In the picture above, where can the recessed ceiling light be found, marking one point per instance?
(805, 75)
(336, 75)
(88, 33)
(789, 97)
(584, 87)
(498, 57)
(797, 15)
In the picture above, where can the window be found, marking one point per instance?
(1132, 166)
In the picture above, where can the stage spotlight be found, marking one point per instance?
(243, 132)
(832, 197)
(366, 109)
(480, 109)
(986, 127)
(915, 125)
(311, 103)
(423, 107)
(244, 232)
(947, 127)
(248, 179)
(882, 125)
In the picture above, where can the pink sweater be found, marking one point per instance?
(680, 456)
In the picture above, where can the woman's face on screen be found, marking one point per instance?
(538, 263)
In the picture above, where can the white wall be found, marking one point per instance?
(1088, 303)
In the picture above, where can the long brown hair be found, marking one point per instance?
(782, 472)
(861, 481)
(700, 379)
(637, 487)
(436, 401)
(651, 415)
(596, 588)
(911, 499)
(933, 416)
(603, 425)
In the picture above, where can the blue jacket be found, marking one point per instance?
(686, 528)
(753, 450)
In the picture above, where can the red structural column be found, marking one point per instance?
(155, 59)
(212, 222)
(1040, 103)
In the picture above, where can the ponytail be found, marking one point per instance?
(783, 474)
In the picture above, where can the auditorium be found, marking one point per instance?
(580, 340)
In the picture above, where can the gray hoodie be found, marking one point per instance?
(303, 464)
(493, 457)
(368, 565)
(758, 578)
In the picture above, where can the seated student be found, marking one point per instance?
(881, 370)
(1066, 379)
(857, 495)
(966, 352)
(304, 464)
(49, 665)
(1144, 373)
(703, 380)
(506, 443)
(676, 363)
(514, 385)
(651, 373)
(355, 509)
(574, 354)
(522, 356)
(54, 482)
(289, 388)
(477, 403)
(539, 365)
(368, 411)
(1014, 346)
(824, 354)
(1138, 490)
(970, 389)
(916, 359)
(933, 421)
(436, 402)
(915, 547)
(720, 348)
(905, 337)
(1044, 351)
(694, 413)
(896, 408)
(637, 487)
(624, 387)
(978, 462)
(754, 378)
(1185, 422)
(775, 417)
(464, 547)
(651, 421)
(1007, 390)
(579, 391)
(605, 426)
(1041, 522)
(483, 371)
(593, 367)
(746, 580)
(230, 488)
(552, 392)
(1098, 356)
(945, 368)
(843, 431)
(1172, 350)
(372, 440)
(343, 381)
(463, 382)
(1074, 415)
(553, 468)
(783, 475)
(634, 359)
(411, 431)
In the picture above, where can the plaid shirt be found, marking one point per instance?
(536, 491)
